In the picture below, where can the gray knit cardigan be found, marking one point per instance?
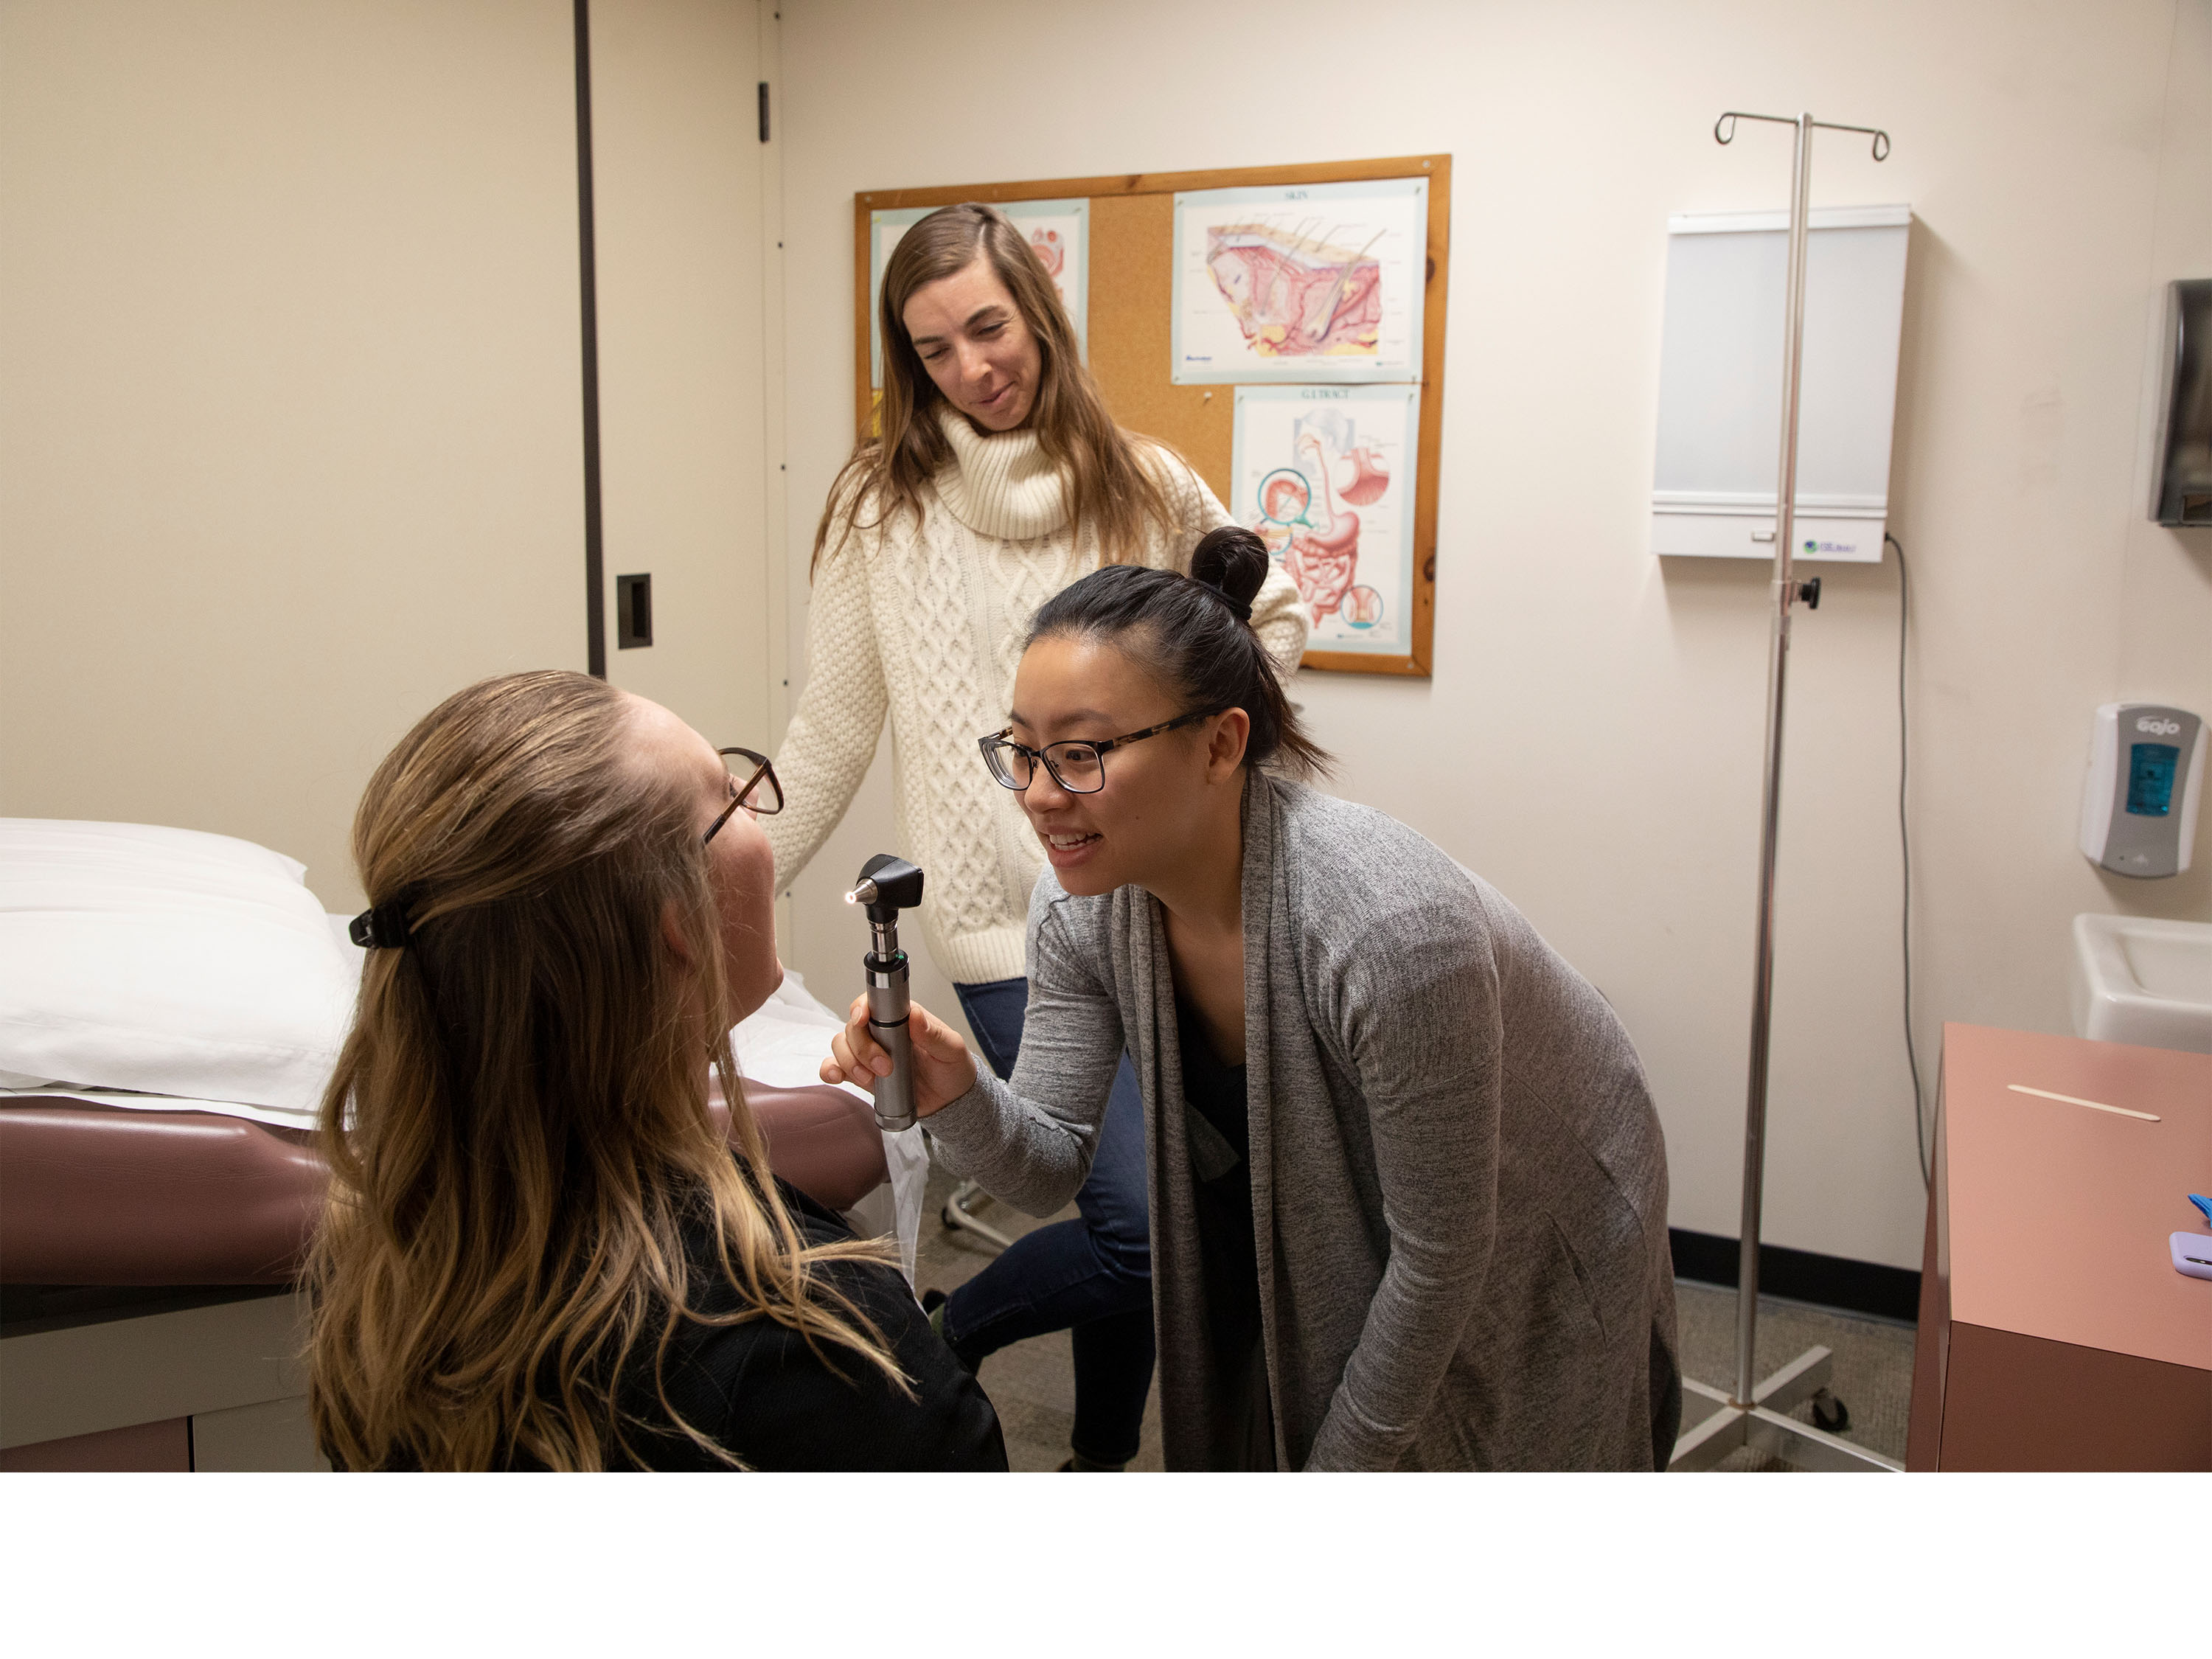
(1459, 1186)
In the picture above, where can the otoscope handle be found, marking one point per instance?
(888, 1008)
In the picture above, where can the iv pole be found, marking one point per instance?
(1755, 1414)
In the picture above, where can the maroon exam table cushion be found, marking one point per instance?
(110, 1196)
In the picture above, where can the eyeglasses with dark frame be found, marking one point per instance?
(758, 790)
(1077, 764)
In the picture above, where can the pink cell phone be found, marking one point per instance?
(2193, 1253)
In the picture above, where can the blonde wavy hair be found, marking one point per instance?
(1112, 488)
(518, 1131)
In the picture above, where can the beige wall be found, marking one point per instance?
(1590, 741)
(677, 176)
(290, 434)
(291, 426)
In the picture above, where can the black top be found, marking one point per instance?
(1229, 1257)
(776, 1403)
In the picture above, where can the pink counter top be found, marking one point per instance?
(2058, 1215)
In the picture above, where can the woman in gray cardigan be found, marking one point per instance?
(1409, 1193)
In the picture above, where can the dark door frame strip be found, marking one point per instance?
(595, 600)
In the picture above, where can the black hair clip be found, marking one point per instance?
(382, 927)
(1241, 607)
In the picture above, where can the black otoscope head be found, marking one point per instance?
(888, 885)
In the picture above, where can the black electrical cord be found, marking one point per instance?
(1904, 852)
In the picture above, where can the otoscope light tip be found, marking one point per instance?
(864, 894)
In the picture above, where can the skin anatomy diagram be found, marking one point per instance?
(1309, 282)
(1296, 296)
(1323, 475)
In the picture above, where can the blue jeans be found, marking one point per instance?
(1093, 1276)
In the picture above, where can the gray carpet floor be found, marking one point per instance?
(1872, 1373)
(1032, 1384)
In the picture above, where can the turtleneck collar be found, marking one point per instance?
(999, 484)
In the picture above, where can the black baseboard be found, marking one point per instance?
(1832, 1281)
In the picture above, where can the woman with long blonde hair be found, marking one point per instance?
(996, 478)
(540, 1249)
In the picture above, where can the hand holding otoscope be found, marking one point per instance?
(889, 1043)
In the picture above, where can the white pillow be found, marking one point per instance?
(167, 961)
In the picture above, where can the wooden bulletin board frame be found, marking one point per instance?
(1131, 253)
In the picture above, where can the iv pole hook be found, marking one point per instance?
(1724, 129)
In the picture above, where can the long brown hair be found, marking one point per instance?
(1112, 486)
(518, 1130)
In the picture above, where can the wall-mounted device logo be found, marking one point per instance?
(1843, 549)
(2161, 727)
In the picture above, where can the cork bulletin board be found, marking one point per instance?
(1132, 340)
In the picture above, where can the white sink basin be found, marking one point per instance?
(2142, 981)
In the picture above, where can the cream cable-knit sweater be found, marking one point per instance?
(927, 624)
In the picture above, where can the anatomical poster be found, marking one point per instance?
(1325, 475)
(1300, 283)
(1058, 235)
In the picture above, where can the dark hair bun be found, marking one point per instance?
(1194, 634)
(1231, 559)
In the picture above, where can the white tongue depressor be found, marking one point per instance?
(2076, 1100)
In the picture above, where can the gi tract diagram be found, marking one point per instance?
(1324, 475)
(1311, 282)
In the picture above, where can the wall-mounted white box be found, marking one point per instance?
(1720, 383)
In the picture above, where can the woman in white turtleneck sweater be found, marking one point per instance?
(998, 479)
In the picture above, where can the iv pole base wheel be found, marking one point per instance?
(1714, 1426)
(958, 1218)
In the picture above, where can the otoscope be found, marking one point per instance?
(889, 884)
